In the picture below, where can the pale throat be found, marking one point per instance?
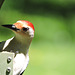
(24, 42)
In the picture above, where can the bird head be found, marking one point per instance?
(22, 27)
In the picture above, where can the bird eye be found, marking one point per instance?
(25, 29)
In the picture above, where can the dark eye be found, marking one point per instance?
(25, 29)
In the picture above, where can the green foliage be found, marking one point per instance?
(52, 49)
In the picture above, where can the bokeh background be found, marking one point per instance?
(52, 51)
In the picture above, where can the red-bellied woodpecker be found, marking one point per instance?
(19, 44)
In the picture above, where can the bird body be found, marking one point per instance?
(19, 44)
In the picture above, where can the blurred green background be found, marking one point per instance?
(52, 51)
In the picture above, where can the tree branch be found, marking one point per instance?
(1, 2)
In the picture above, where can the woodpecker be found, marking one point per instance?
(19, 44)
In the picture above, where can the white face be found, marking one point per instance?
(24, 30)
(28, 30)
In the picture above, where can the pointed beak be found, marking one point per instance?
(12, 27)
(7, 26)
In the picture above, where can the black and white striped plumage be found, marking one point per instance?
(19, 44)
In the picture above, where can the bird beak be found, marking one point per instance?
(12, 27)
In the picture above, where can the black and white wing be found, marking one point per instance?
(2, 45)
